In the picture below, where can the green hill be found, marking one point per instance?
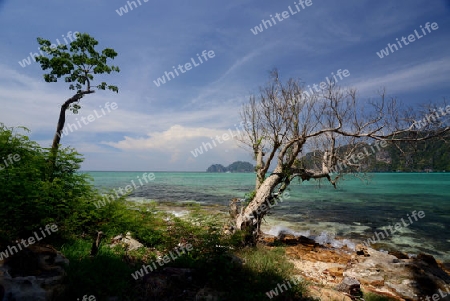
(428, 156)
(238, 166)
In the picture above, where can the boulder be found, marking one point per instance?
(350, 286)
(129, 242)
(33, 274)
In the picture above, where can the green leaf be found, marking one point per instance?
(77, 63)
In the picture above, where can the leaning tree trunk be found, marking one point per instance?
(249, 219)
(60, 126)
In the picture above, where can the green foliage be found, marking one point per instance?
(103, 274)
(375, 297)
(144, 223)
(31, 199)
(263, 270)
(212, 259)
(420, 156)
(77, 64)
(249, 196)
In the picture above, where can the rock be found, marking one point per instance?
(284, 238)
(207, 294)
(179, 273)
(334, 271)
(323, 293)
(350, 286)
(234, 260)
(129, 242)
(132, 243)
(267, 240)
(399, 255)
(228, 229)
(117, 239)
(33, 274)
(288, 239)
(377, 272)
(362, 250)
(170, 283)
(428, 259)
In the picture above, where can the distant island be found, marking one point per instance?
(424, 157)
(238, 166)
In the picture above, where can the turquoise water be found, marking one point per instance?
(354, 211)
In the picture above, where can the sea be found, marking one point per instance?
(415, 205)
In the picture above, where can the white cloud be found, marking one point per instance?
(411, 78)
(176, 144)
(177, 140)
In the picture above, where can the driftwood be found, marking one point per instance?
(96, 243)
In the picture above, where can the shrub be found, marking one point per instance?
(31, 197)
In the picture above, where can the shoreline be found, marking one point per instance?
(333, 233)
(326, 260)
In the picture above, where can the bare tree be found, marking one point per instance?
(283, 121)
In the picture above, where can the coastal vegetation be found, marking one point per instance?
(67, 200)
(226, 260)
(218, 261)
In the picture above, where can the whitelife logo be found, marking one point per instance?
(220, 139)
(323, 85)
(187, 66)
(432, 117)
(397, 226)
(9, 158)
(411, 38)
(27, 61)
(11, 250)
(90, 118)
(166, 259)
(280, 17)
(128, 189)
(86, 298)
(355, 158)
(124, 9)
(283, 287)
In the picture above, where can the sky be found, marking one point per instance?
(156, 126)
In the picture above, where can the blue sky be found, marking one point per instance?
(156, 128)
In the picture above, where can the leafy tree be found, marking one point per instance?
(77, 64)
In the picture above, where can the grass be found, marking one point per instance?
(100, 276)
(375, 297)
(214, 258)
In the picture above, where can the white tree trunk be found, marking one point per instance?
(247, 217)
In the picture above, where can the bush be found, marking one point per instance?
(31, 196)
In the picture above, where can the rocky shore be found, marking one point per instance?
(393, 274)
